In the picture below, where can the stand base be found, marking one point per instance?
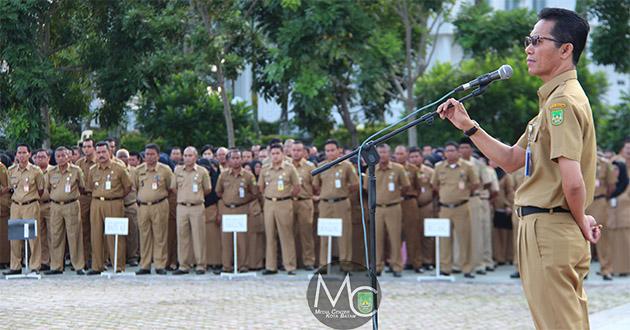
(112, 274)
(238, 275)
(438, 277)
(31, 275)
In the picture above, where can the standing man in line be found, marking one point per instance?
(27, 184)
(64, 183)
(193, 183)
(303, 204)
(85, 200)
(42, 159)
(425, 253)
(5, 204)
(109, 183)
(131, 211)
(559, 153)
(154, 181)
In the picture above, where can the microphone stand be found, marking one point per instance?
(371, 157)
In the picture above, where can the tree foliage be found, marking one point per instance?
(611, 38)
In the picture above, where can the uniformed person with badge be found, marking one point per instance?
(334, 187)
(64, 184)
(5, 204)
(517, 177)
(109, 183)
(619, 214)
(85, 200)
(131, 211)
(154, 181)
(193, 183)
(454, 180)
(303, 205)
(237, 189)
(502, 204)
(279, 183)
(559, 152)
(42, 160)
(425, 253)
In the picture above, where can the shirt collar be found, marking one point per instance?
(545, 90)
(388, 167)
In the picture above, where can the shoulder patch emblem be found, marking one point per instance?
(557, 116)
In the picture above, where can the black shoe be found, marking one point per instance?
(456, 271)
(389, 270)
(200, 272)
(291, 273)
(445, 274)
(143, 271)
(12, 272)
(80, 272)
(53, 272)
(481, 272)
(44, 267)
(171, 268)
(623, 275)
(378, 273)
(309, 268)
(469, 275)
(216, 271)
(93, 272)
(132, 263)
(281, 268)
(408, 267)
(607, 277)
(501, 264)
(397, 274)
(599, 273)
(160, 271)
(4, 266)
(420, 270)
(428, 267)
(180, 272)
(269, 272)
(243, 270)
(489, 269)
(515, 275)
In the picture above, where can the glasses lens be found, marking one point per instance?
(527, 41)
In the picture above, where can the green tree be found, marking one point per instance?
(611, 38)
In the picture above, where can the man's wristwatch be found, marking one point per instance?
(470, 132)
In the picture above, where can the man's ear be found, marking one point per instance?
(566, 50)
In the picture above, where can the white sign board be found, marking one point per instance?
(116, 226)
(329, 227)
(437, 227)
(234, 223)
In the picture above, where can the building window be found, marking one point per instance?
(512, 4)
(538, 5)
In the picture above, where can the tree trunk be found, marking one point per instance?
(45, 118)
(254, 93)
(344, 111)
(227, 111)
(283, 128)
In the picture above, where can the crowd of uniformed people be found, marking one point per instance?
(175, 202)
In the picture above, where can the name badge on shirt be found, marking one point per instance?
(462, 185)
(108, 183)
(337, 183)
(597, 183)
(280, 184)
(67, 188)
(391, 186)
(423, 190)
(241, 192)
(195, 186)
(613, 203)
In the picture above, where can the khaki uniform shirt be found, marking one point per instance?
(424, 179)
(604, 177)
(454, 181)
(237, 189)
(45, 198)
(4, 177)
(277, 182)
(391, 181)
(563, 128)
(153, 184)
(26, 182)
(412, 173)
(505, 196)
(337, 181)
(304, 168)
(192, 185)
(110, 181)
(85, 165)
(65, 185)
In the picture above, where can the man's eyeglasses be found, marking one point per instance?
(535, 40)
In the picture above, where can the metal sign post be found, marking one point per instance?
(26, 230)
(235, 223)
(329, 227)
(116, 227)
(437, 228)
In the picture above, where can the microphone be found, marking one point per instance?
(502, 73)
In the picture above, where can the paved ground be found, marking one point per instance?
(488, 302)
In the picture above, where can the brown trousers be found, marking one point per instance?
(85, 201)
(99, 210)
(389, 220)
(5, 245)
(133, 236)
(65, 221)
(599, 210)
(554, 259)
(191, 237)
(153, 228)
(460, 223)
(172, 230)
(213, 236)
(340, 210)
(44, 210)
(426, 255)
(256, 236)
(515, 224)
(30, 211)
(411, 232)
(227, 240)
(279, 217)
(303, 214)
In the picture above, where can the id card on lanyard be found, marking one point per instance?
(528, 151)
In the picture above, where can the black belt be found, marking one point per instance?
(132, 203)
(152, 203)
(408, 197)
(277, 199)
(107, 199)
(527, 210)
(25, 203)
(600, 196)
(63, 202)
(334, 200)
(233, 206)
(190, 204)
(300, 199)
(45, 202)
(388, 205)
(425, 204)
(454, 205)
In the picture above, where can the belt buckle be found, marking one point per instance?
(102, 198)
(232, 206)
(274, 199)
(149, 203)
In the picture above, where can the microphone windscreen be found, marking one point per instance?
(505, 72)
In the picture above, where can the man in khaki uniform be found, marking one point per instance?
(558, 150)
(502, 204)
(64, 183)
(85, 163)
(454, 180)
(334, 187)
(619, 217)
(153, 180)
(237, 189)
(109, 183)
(604, 186)
(518, 177)
(410, 219)
(279, 183)
(27, 182)
(392, 183)
(193, 183)
(131, 211)
(303, 205)
(425, 253)
(42, 160)
(5, 204)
